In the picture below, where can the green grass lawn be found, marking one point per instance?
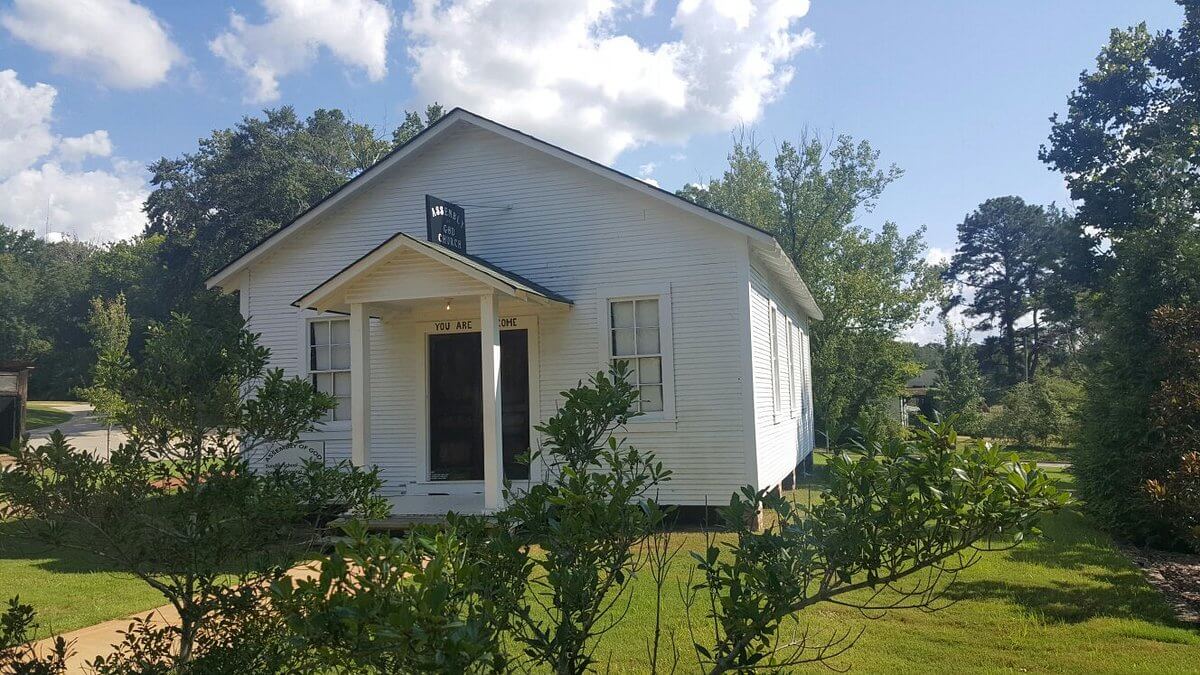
(40, 414)
(68, 589)
(1067, 602)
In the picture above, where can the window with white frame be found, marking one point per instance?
(775, 359)
(635, 336)
(329, 363)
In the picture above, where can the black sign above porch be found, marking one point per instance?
(446, 223)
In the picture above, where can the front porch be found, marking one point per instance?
(408, 511)
(465, 436)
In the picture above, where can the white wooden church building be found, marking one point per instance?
(450, 293)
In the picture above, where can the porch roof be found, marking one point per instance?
(475, 267)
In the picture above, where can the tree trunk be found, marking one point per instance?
(1036, 350)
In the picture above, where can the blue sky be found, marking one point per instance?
(956, 93)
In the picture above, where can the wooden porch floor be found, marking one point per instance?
(410, 510)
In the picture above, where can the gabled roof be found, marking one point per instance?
(226, 277)
(473, 266)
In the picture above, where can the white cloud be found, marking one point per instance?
(122, 42)
(649, 181)
(647, 168)
(91, 205)
(354, 31)
(937, 256)
(931, 328)
(562, 70)
(24, 122)
(78, 148)
(41, 183)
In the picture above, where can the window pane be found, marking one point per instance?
(324, 382)
(341, 384)
(339, 332)
(622, 314)
(631, 375)
(647, 313)
(652, 398)
(341, 357)
(342, 411)
(623, 343)
(650, 371)
(321, 358)
(647, 340)
(319, 332)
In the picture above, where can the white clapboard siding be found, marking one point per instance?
(783, 436)
(569, 230)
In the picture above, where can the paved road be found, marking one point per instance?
(82, 430)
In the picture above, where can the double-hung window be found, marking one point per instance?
(329, 363)
(636, 337)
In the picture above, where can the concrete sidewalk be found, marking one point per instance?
(83, 430)
(98, 640)
(86, 644)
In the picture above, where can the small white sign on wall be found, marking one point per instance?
(472, 325)
(8, 383)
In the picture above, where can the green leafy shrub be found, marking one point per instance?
(588, 521)
(181, 506)
(896, 524)
(1176, 423)
(434, 601)
(1037, 411)
(18, 624)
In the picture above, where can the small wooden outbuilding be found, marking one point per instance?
(14, 392)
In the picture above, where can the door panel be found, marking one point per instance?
(514, 400)
(456, 405)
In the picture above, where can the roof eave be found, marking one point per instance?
(498, 280)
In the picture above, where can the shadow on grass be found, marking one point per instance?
(19, 542)
(1071, 574)
(1082, 576)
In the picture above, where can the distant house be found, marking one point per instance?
(14, 391)
(917, 398)
(448, 294)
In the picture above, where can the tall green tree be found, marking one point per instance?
(1130, 155)
(413, 124)
(1002, 259)
(870, 285)
(110, 328)
(958, 392)
(45, 288)
(244, 182)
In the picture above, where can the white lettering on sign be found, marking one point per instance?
(440, 211)
(471, 325)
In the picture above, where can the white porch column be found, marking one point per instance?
(493, 436)
(360, 384)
